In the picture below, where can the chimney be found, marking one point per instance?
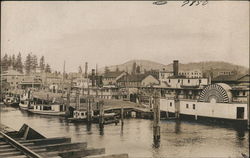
(86, 69)
(176, 67)
(93, 77)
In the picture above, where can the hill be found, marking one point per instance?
(205, 66)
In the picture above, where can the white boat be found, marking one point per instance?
(25, 104)
(215, 102)
(51, 109)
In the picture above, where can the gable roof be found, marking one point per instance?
(245, 78)
(228, 78)
(133, 78)
(112, 74)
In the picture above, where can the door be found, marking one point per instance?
(240, 112)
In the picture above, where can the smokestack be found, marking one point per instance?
(93, 77)
(86, 70)
(176, 67)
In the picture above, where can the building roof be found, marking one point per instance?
(112, 74)
(227, 78)
(12, 73)
(232, 78)
(133, 78)
(245, 78)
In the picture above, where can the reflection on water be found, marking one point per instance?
(135, 137)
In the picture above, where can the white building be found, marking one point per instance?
(191, 74)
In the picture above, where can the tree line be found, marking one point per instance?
(28, 66)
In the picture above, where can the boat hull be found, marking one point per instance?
(51, 113)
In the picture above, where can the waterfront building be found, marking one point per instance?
(164, 75)
(137, 80)
(191, 73)
(110, 78)
(30, 82)
(12, 78)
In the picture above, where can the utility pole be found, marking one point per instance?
(156, 124)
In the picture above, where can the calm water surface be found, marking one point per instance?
(178, 138)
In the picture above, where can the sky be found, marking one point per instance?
(110, 32)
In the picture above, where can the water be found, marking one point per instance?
(178, 138)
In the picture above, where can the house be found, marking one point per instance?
(30, 82)
(110, 78)
(13, 78)
(137, 80)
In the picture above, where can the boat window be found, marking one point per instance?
(47, 108)
(244, 93)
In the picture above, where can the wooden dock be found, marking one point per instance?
(28, 143)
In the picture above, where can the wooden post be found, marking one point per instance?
(177, 108)
(101, 114)
(89, 110)
(248, 111)
(156, 125)
(122, 113)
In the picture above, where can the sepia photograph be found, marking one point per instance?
(124, 79)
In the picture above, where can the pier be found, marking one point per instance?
(28, 143)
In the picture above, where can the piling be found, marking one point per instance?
(248, 113)
(101, 114)
(156, 124)
(122, 115)
(89, 110)
(177, 108)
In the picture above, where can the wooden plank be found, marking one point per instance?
(9, 154)
(47, 141)
(110, 156)
(19, 146)
(82, 153)
(61, 147)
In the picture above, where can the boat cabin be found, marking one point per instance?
(81, 114)
(55, 107)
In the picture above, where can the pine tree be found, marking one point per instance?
(19, 64)
(34, 63)
(13, 62)
(42, 63)
(80, 69)
(106, 70)
(47, 68)
(28, 64)
(134, 68)
(117, 69)
(138, 69)
(4, 63)
(9, 61)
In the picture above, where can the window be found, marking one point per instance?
(169, 80)
(193, 106)
(187, 106)
(178, 80)
(244, 93)
(188, 81)
(199, 80)
(170, 104)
